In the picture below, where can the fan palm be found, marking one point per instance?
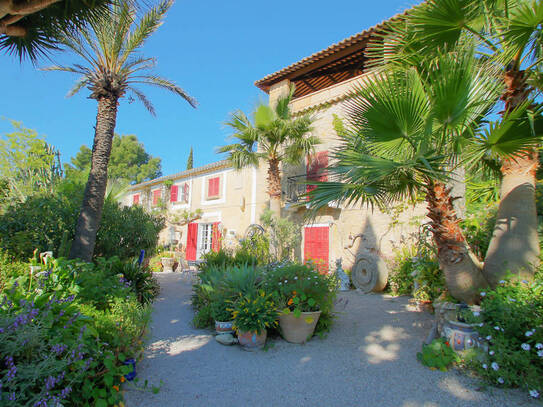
(509, 35)
(408, 128)
(31, 27)
(274, 136)
(112, 67)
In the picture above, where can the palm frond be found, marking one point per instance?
(168, 85)
(143, 99)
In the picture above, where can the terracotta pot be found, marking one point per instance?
(224, 327)
(301, 329)
(251, 340)
(167, 263)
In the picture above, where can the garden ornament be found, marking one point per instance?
(343, 279)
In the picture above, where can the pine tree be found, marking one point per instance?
(190, 160)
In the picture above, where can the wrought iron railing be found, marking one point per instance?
(296, 188)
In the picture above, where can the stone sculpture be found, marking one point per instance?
(344, 281)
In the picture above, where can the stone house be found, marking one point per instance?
(354, 234)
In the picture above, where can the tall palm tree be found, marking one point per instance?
(112, 67)
(29, 28)
(509, 35)
(274, 136)
(408, 128)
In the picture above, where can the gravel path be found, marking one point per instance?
(368, 359)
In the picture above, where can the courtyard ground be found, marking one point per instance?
(368, 359)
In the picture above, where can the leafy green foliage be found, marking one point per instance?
(28, 165)
(47, 222)
(129, 161)
(139, 278)
(438, 355)
(284, 236)
(66, 335)
(510, 319)
(254, 313)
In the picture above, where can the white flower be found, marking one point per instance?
(497, 328)
(502, 281)
(494, 366)
(491, 353)
(525, 346)
(485, 366)
(512, 300)
(279, 282)
(481, 324)
(476, 313)
(500, 380)
(540, 353)
(295, 277)
(525, 281)
(534, 393)
(488, 337)
(529, 333)
(539, 345)
(483, 294)
(286, 281)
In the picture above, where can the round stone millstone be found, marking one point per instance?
(369, 273)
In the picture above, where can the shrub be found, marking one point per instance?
(511, 320)
(139, 278)
(438, 355)
(254, 313)
(47, 222)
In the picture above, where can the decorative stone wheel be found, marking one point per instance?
(253, 230)
(369, 273)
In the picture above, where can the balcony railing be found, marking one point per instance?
(296, 188)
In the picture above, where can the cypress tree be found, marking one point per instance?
(190, 160)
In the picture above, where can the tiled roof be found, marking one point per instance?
(184, 174)
(268, 80)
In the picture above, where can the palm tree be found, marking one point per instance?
(408, 128)
(274, 136)
(509, 35)
(32, 27)
(112, 68)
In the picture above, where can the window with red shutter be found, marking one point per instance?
(185, 192)
(156, 197)
(316, 169)
(173, 193)
(213, 187)
(135, 199)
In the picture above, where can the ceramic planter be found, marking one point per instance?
(224, 327)
(167, 263)
(251, 340)
(298, 330)
(461, 336)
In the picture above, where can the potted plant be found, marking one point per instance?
(303, 295)
(253, 314)
(222, 316)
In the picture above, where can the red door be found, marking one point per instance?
(192, 239)
(316, 246)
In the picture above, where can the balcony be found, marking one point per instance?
(296, 188)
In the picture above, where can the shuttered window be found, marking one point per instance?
(135, 199)
(173, 193)
(156, 197)
(213, 187)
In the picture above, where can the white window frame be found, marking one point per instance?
(204, 243)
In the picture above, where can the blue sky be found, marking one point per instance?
(214, 50)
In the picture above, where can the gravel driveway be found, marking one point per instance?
(368, 359)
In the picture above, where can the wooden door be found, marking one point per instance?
(316, 246)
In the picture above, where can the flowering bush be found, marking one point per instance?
(511, 321)
(299, 288)
(254, 313)
(63, 342)
(438, 355)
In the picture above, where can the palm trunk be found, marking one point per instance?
(460, 266)
(514, 247)
(95, 191)
(274, 186)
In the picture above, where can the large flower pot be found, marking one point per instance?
(298, 330)
(461, 336)
(224, 327)
(167, 263)
(251, 340)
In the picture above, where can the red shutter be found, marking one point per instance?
(316, 169)
(173, 193)
(213, 187)
(156, 196)
(185, 192)
(316, 247)
(216, 238)
(135, 199)
(192, 237)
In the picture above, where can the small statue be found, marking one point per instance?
(343, 279)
